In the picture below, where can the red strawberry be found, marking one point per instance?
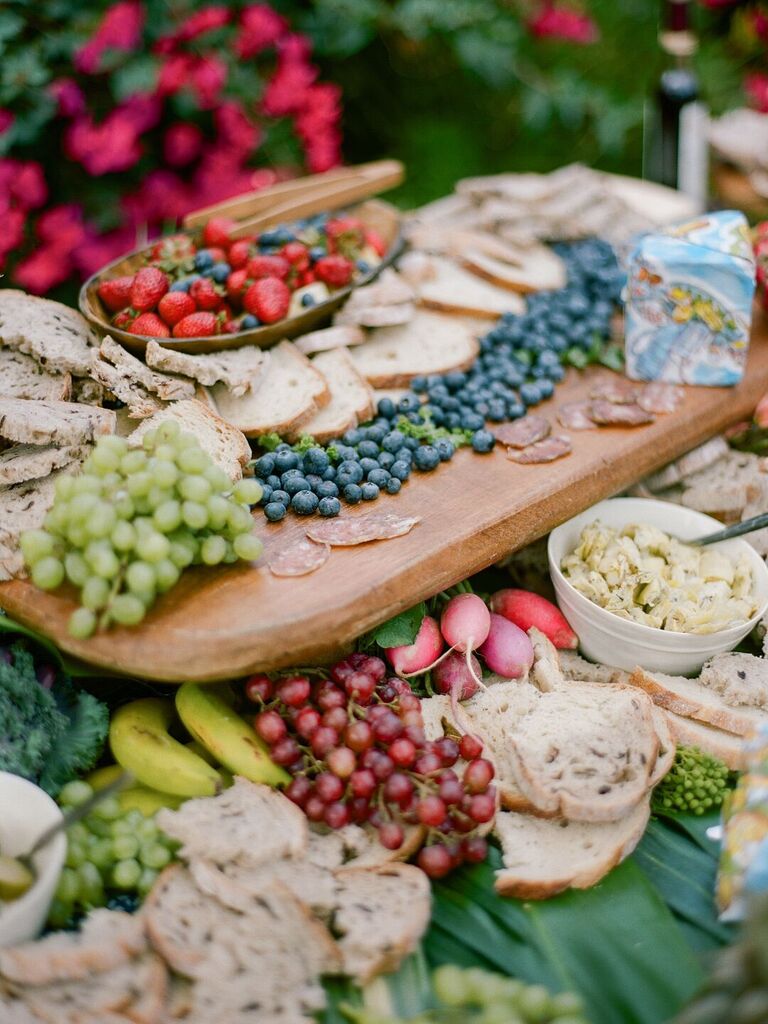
(217, 254)
(151, 325)
(115, 294)
(268, 299)
(174, 306)
(306, 278)
(376, 242)
(149, 286)
(124, 318)
(239, 253)
(336, 271)
(343, 233)
(204, 293)
(231, 327)
(216, 231)
(174, 248)
(297, 255)
(268, 266)
(196, 325)
(236, 283)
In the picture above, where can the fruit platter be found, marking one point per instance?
(357, 692)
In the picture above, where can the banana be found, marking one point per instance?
(141, 743)
(209, 716)
(140, 798)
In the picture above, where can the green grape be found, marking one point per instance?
(124, 505)
(567, 1003)
(218, 479)
(95, 593)
(140, 577)
(57, 518)
(167, 516)
(102, 520)
(110, 482)
(127, 609)
(126, 874)
(167, 573)
(64, 487)
(123, 536)
(112, 443)
(121, 827)
(218, 512)
(100, 854)
(169, 430)
(104, 460)
(158, 496)
(59, 914)
(155, 856)
(48, 573)
(247, 546)
(450, 985)
(247, 492)
(194, 488)
(184, 440)
(193, 460)
(77, 535)
(78, 833)
(230, 558)
(143, 524)
(97, 827)
(103, 560)
(195, 515)
(68, 888)
(146, 829)
(149, 440)
(213, 550)
(125, 847)
(75, 793)
(133, 462)
(85, 484)
(152, 546)
(36, 544)
(76, 568)
(138, 485)
(82, 624)
(147, 880)
(534, 1002)
(165, 452)
(91, 885)
(81, 507)
(76, 855)
(135, 818)
(108, 810)
(240, 519)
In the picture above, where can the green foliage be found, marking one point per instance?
(77, 749)
(401, 630)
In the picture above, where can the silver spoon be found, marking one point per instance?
(737, 530)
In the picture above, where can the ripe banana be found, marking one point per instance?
(209, 716)
(138, 797)
(141, 743)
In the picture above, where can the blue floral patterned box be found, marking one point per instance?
(689, 302)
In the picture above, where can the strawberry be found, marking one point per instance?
(236, 283)
(149, 286)
(124, 318)
(196, 325)
(344, 233)
(150, 325)
(174, 306)
(216, 231)
(217, 254)
(116, 293)
(230, 327)
(239, 253)
(204, 292)
(173, 248)
(307, 277)
(297, 255)
(268, 299)
(335, 271)
(376, 242)
(268, 266)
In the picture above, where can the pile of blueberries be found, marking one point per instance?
(521, 361)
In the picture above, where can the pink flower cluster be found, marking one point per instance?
(554, 21)
(119, 29)
(756, 88)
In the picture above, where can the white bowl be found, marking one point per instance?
(611, 640)
(25, 812)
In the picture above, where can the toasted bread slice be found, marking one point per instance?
(459, 291)
(239, 369)
(351, 398)
(22, 377)
(537, 268)
(27, 421)
(727, 747)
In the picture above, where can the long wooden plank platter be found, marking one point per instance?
(221, 623)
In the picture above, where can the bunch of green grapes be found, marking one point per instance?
(113, 858)
(125, 528)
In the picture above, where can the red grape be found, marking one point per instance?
(341, 671)
(285, 752)
(427, 764)
(402, 752)
(391, 835)
(451, 790)
(475, 849)
(478, 775)
(412, 719)
(434, 861)
(330, 696)
(387, 693)
(375, 712)
(329, 787)
(270, 726)
(374, 667)
(298, 790)
(360, 687)
(314, 808)
(342, 762)
(357, 659)
(336, 815)
(359, 809)
(456, 853)
(400, 686)
(259, 688)
(323, 741)
(376, 818)
(470, 747)
(398, 788)
(362, 782)
(431, 811)
(462, 823)
(415, 734)
(382, 766)
(358, 736)
(306, 722)
(387, 727)
(447, 750)
(336, 719)
(410, 702)
(294, 691)
(482, 807)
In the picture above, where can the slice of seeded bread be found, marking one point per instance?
(238, 369)
(290, 391)
(726, 746)
(53, 334)
(22, 377)
(22, 507)
(721, 488)
(167, 386)
(537, 268)
(693, 461)
(351, 398)
(342, 336)
(61, 423)
(233, 883)
(543, 857)
(740, 679)
(430, 343)
(225, 444)
(355, 847)
(140, 403)
(459, 291)
(667, 746)
(575, 667)
(23, 462)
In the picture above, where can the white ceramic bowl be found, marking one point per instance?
(611, 640)
(25, 811)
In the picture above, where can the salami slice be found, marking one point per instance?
(658, 396)
(299, 558)
(362, 529)
(575, 416)
(609, 414)
(615, 389)
(522, 432)
(548, 450)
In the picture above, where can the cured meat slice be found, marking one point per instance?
(658, 396)
(575, 416)
(610, 414)
(548, 450)
(299, 558)
(522, 432)
(362, 529)
(615, 389)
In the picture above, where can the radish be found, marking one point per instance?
(421, 654)
(465, 622)
(526, 609)
(452, 675)
(507, 650)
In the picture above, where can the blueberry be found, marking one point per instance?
(278, 494)
(497, 410)
(393, 485)
(268, 238)
(367, 464)
(352, 470)
(546, 388)
(393, 441)
(353, 437)
(455, 380)
(326, 489)
(481, 408)
(315, 460)
(412, 443)
(426, 458)
(346, 452)
(548, 359)
(282, 236)
(378, 477)
(221, 272)
(369, 491)
(316, 253)
(404, 455)
(182, 285)
(471, 421)
(400, 470)
(249, 321)
(433, 412)
(444, 449)
(352, 493)
(363, 266)
(296, 484)
(483, 441)
(329, 474)
(265, 465)
(515, 410)
(305, 503)
(203, 260)
(273, 480)
(386, 408)
(376, 433)
(437, 393)
(419, 385)
(452, 420)
(329, 506)
(409, 402)
(275, 511)
(450, 404)
(556, 374)
(368, 449)
(308, 299)
(266, 495)
(386, 460)
(286, 460)
(313, 480)
(530, 393)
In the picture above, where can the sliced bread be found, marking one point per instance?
(290, 392)
(459, 291)
(740, 679)
(577, 668)
(536, 268)
(87, 391)
(351, 399)
(57, 336)
(139, 402)
(430, 343)
(167, 386)
(62, 423)
(667, 746)
(233, 883)
(543, 857)
(343, 336)
(22, 377)
(23, 462)
(22, 507)
(224, 443)
(238, 369)
(693, 461)
(721, 488)
(726, 746)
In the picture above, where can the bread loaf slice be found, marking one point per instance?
(430, 343)
(233, 883)
(290, 392)
(351, 399)
(693, 461)
(224, 443)
(579, 669)
(727, 747)
(22, 507)
(740, 679)
(667, 746)
(721, 488)
(536, 268)
(543, 857)
(167, 386)
(23, 462)
(61, 423)
(456, 290)
(22, 377)
(328, 338)
(140, 403)
(55, 335)
(239, 369)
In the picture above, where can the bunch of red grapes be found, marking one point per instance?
(356, 748)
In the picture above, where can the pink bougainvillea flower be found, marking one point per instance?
(110, 146)
(207, 78)
(260, 28)
(69, 97)
(182, 143)
(97, 250)
(161, 196)
(12, 234)
(287, 90)
(143, 110)
(119, 29)
(6, 120)
(205, 20)
(61, 224)
(555, 22)
(756, 88)
(235, 129)
(28, 187)
(174, 73)
(43, 269)
(317, 125)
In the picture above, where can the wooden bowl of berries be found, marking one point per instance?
(210, 289)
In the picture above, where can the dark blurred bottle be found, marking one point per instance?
(675, 124)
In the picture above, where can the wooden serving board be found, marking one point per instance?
(222, 623)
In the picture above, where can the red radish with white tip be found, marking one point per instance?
(420, 656)
(507, 650)
(453, 675)
(526, 609)
(465, 622)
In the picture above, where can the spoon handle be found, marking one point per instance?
(737, 530)
(81, 811)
